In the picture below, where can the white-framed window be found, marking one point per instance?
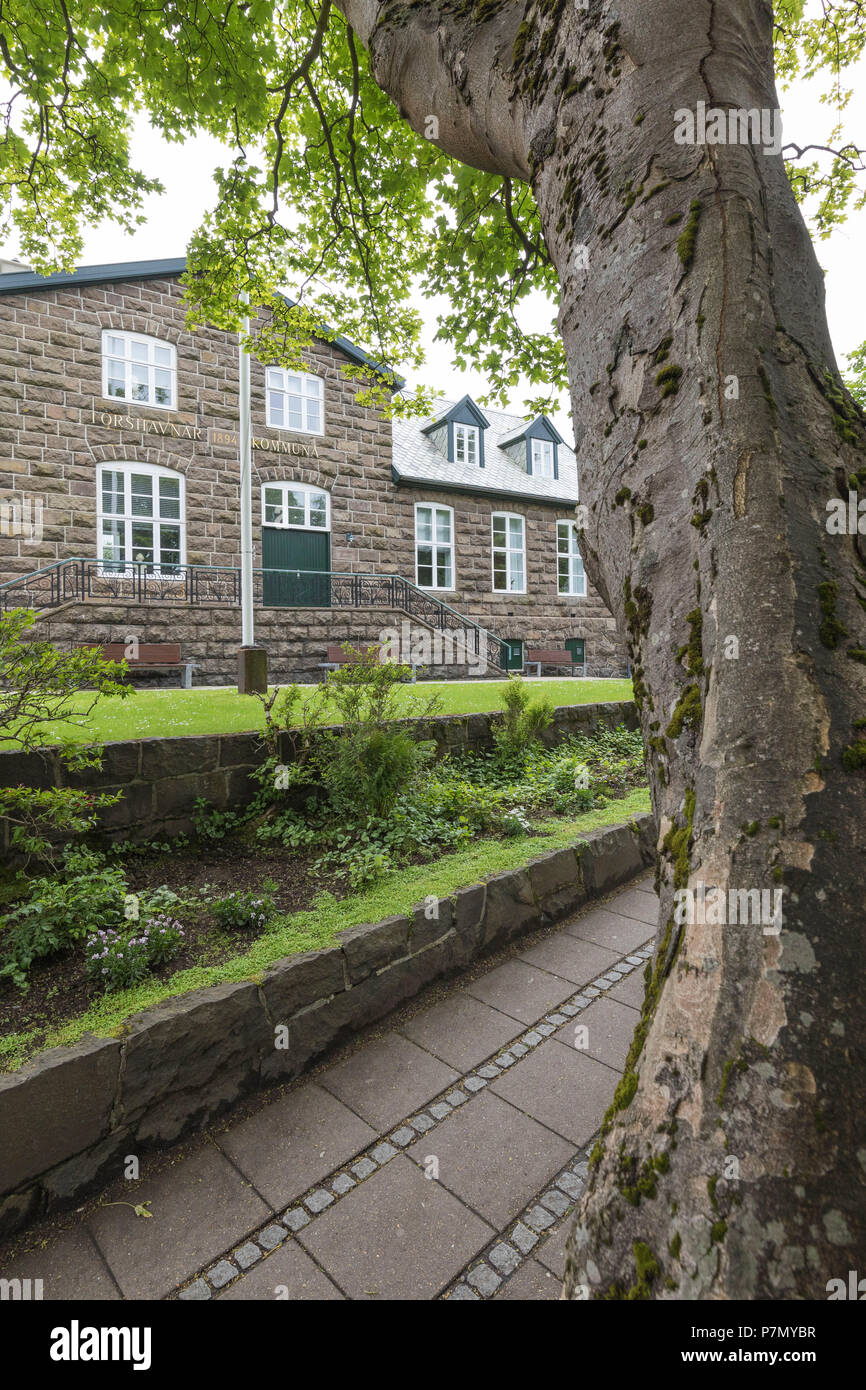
(466, 445)
(139, 369)
(294, 401)
(295, 506)
(542, 458)
(571, 577)
(509, 553)
(141, 518)
(434, 546)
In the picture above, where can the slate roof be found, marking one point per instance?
(418, 461)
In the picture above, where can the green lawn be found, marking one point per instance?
(167, 713)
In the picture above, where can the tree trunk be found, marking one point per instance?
(715, 434)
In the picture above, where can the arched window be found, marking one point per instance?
(295, 506)
(141, 517)
(138, 368)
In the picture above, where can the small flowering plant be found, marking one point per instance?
(516, 821)
(164, 936)
(243, 909)
(119, 958)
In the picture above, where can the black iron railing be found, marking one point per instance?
(100, 581)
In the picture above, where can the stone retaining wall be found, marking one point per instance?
(69, 1117)
(162, 778)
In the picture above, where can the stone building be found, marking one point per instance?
(119, 496)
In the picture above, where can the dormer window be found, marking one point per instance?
(458, 433)
(534, 447)
(466, 445)
(542, 458)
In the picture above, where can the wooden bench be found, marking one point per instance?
(152, 656)
(337, 658)
(551, 656)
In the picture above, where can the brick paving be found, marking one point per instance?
(440, 1160)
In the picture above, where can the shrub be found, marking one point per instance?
(361, 865)
(38, 687)
(362, 769)
(365, 770)
(288, 829)
(212, 824)
(516, 822)
(40, 817)
(522, 722)
(162, 899)
(61, 911)
(453, 798)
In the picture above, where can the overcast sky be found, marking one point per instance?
(186, 171)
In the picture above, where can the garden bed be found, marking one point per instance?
(62, 1003)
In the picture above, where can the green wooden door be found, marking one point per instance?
(513, 654)
(296, 565)
(577, 647)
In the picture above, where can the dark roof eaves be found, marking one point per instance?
(444, 485)
(19, 282)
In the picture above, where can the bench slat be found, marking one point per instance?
(337, 657)
(552, 657)
(149, 653)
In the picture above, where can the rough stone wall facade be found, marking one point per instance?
(56, 427)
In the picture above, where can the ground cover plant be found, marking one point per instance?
(361, 813)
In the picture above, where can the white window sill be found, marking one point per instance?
(290, 429)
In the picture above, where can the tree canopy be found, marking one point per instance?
(325, 190)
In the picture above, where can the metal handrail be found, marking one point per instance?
(139, 572)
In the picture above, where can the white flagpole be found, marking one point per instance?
(247, 637)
